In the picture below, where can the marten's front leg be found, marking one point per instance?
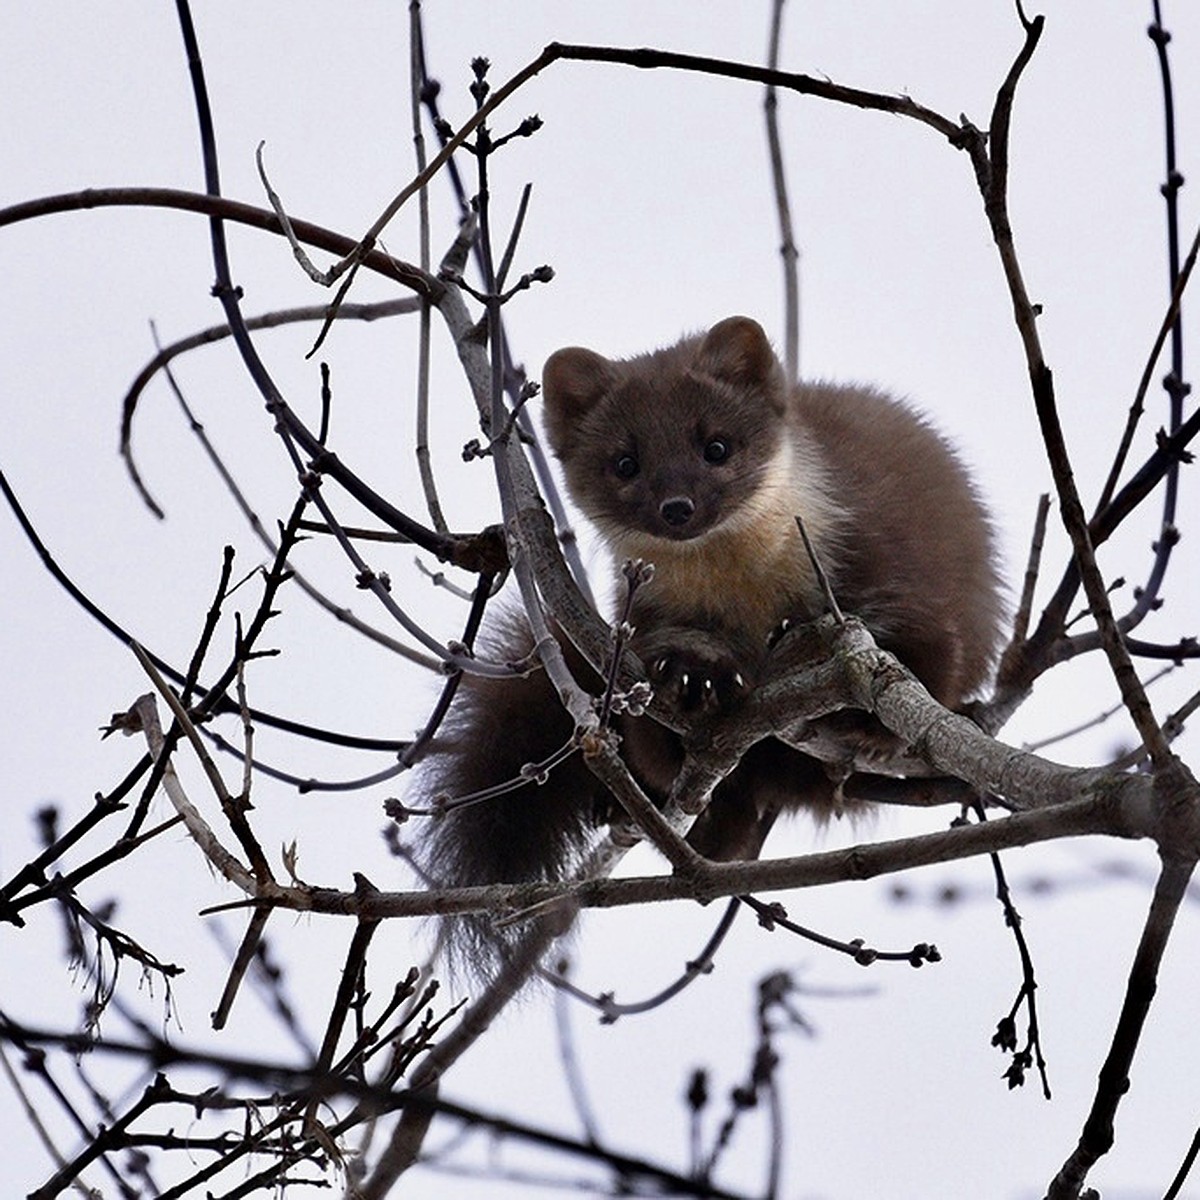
(695, 669)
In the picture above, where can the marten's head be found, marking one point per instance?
(671, 444)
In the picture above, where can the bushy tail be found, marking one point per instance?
(495, 729)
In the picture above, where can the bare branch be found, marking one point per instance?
(201, 833)
(1097, 1136)
(787, 247)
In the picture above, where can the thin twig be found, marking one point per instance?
(1095, 722)
(572, 1070)
(1169, 324)
(773, 916)
(611, 1009)
(1175, 385)
(353, 972)
(819, 571)
(1032, 567)
(409, 1134)
(416, 84)
(483, 593)
(1005, 1038)
(788, 253)
(247, 951)
(31, 1114)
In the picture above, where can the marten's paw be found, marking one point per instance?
(796, 643)
(696, 677)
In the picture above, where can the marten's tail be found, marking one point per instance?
(497, 732)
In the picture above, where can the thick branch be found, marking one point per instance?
(1104, 814)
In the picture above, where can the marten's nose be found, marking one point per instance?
(677, 511)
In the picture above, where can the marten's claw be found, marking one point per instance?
(774, 636)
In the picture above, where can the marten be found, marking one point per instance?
(698, 458)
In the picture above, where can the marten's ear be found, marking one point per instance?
(737, 350)
(573, 381)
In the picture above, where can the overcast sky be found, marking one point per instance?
(651, 202)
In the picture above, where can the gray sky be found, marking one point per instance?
(651, 201)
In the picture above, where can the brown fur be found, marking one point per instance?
(697, 458)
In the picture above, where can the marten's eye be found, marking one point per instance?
(716, 450)
(626, 466)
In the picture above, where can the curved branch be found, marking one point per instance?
(470, 551)
(230, 210)
(216, 333)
